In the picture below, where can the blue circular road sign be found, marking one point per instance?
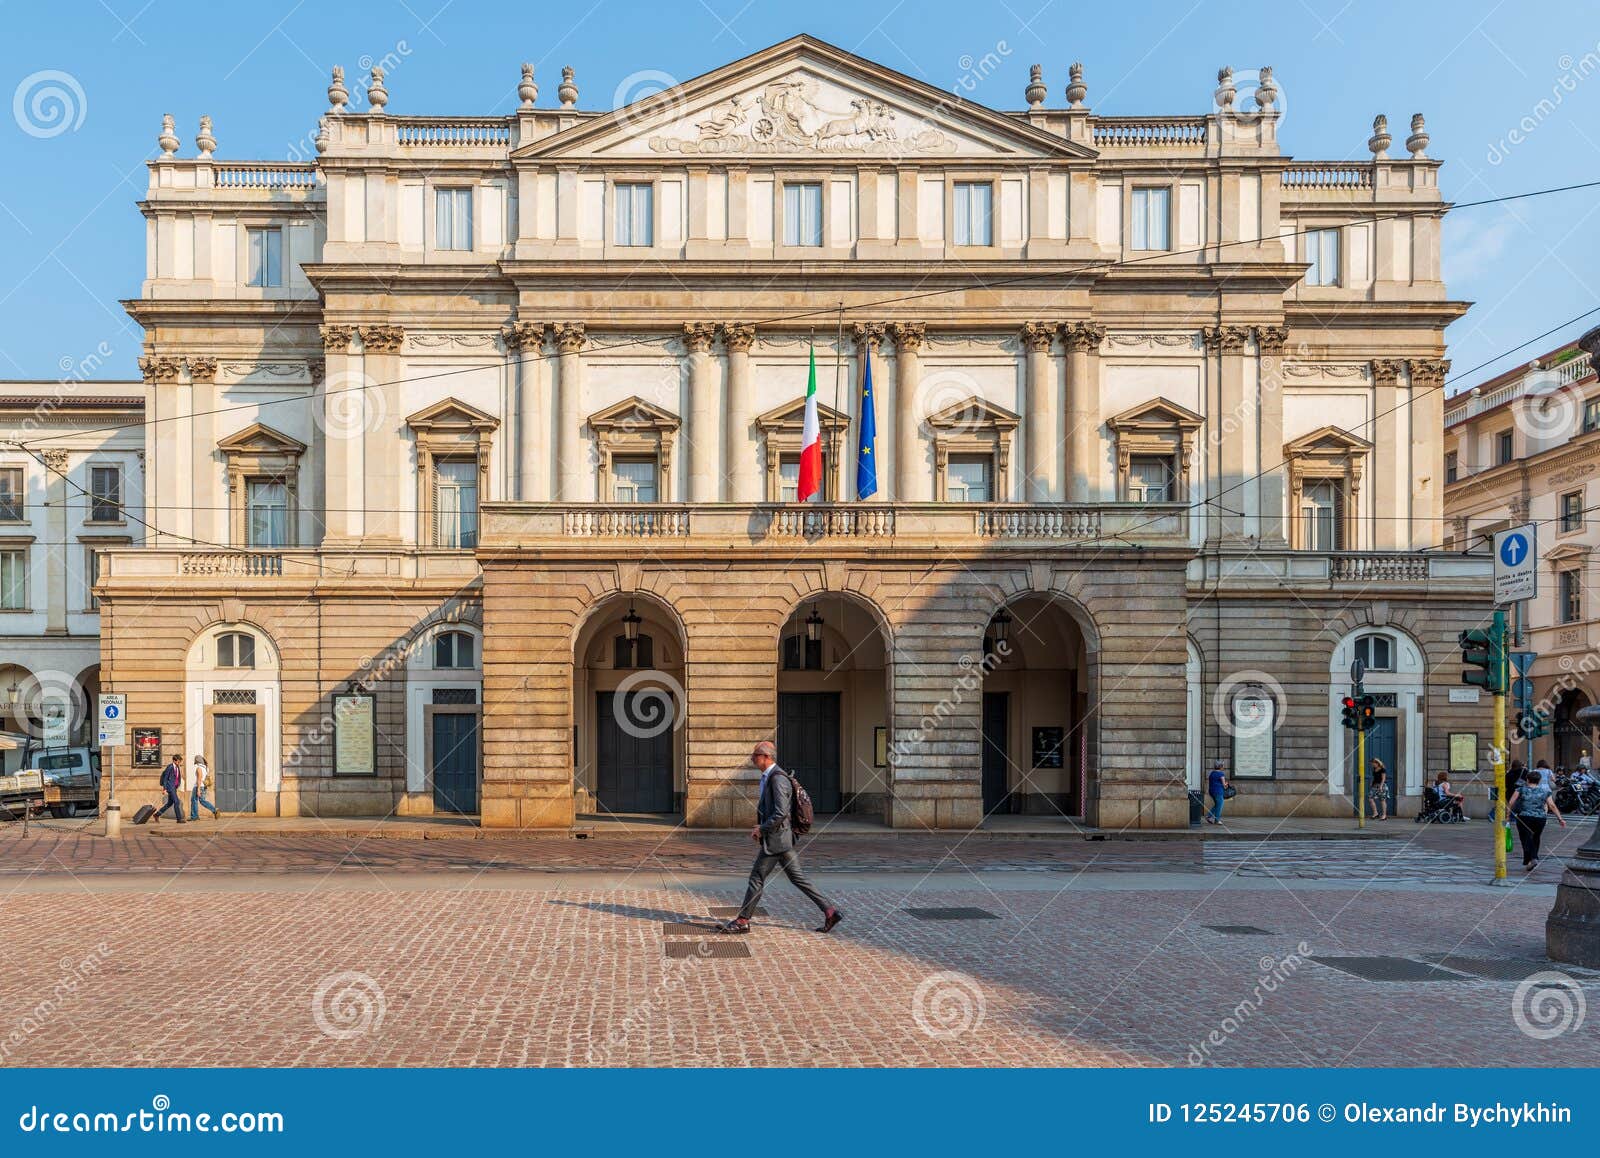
(1513, 549)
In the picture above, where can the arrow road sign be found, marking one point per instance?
(1515, 564)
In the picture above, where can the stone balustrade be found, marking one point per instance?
(452, 132)
(1317, 175)
(265, 175)
(1149, 132)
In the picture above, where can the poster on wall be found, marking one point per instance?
(147, 747)
(1464, 752)
(355, 719)
(1047, 747)
(1255, 731)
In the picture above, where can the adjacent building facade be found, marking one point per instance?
(477, 441)
(1524, 447)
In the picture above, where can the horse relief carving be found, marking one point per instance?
(785, 116)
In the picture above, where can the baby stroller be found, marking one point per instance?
(1437, 809)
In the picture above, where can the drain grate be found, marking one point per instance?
(708, 950)
(687, 928)
(953, 913)
(1239, 930)
(1390, 969)
(1496, 968)
(733, 910)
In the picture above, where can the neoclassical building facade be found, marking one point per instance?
(479, 436)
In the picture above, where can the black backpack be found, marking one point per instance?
(801, 813)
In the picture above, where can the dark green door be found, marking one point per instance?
(633, 764)
(1382, 744)
(455, 761)
(234, 761)
(808, 745)
(996, 721)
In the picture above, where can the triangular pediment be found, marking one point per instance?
(1566, 553)
(452, 414)
(260, 438)
(793, 415)
(1158, 413)
(974, 413)
(634, 413)
(803, 98)
(1326, 441)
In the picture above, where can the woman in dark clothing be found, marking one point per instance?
(1532, 804)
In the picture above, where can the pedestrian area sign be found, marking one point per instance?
(1515, 565)
(113, 720)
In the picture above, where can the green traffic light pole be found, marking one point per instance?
(1497, 683)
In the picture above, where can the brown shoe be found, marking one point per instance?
(737, 925)
(829, 919)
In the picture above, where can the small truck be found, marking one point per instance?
(66, 780)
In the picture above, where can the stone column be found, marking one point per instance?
(1082, 340)
(574, 478)
(1228, 426)
(340, 408)
(1427, 449)
(524, 341)
(744, 475)
(912, 482)
(210, 525)
(1270, 341)
(1388, 497)
(57, 499)
(386, 476)
(704, 436)
(1039, 432)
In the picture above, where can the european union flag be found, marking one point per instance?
(867, 437)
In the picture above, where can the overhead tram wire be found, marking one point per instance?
(1165, 256)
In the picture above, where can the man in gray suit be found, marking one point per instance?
(774, 805)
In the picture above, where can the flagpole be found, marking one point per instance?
(838, 374)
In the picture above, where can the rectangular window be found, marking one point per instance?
(11, 500)
(1591, 415)
(1152, 215)
(802, 214)
(635, 214)
(1572, 511)
(13, 580)
(1571, 608)
(265, 257)
(1502, 448)
(788, 479)
(1150, 479)
(452, 221)
(634, 480)
(105, 494)
(455, 504)
(1322, 251)
(967, 478)
(1321, 507)
(1452, 467)
(974, 213)
(266, 513)
(91, 576)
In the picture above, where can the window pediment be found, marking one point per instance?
(1157, 415)
(633, 414)
(1329, 441)
(261, 439)
(635, 428)
(791, 416)
(1159, 428)
(783, 428)
(974, 413)
(452, 416)
(973, 426)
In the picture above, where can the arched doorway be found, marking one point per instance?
(628, 708)
(444, 705)
(233, 716)
(85, 727)
(1396, 677)
(1571, 739)
(834, 702)
(14, 716)
(1035, 719)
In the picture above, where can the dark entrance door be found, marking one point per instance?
(234, 761)
(996, 720)
(808, 745)
(455, 761)
(1382, 744)
(633, 764)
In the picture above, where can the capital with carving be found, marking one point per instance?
(202, 369)
(382, 339)
(1082, 337)
(1429, 372)
(1519, 508)
(520, 336)
(1227, 339)
(570, 337)
(1386, 371)
(338, 338)
(316, 370)
(1037, 336)
(868, 335)
(55, 459)
(1271, 340)
(908, 336)
(738, 337)
(697, 336)
(160, 368)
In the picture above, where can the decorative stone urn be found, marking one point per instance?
(1572, 931)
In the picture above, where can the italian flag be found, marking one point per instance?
(810, 442)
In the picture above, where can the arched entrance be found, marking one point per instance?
(1035, 720)
(834, 702)
(85, 727)
(1396, 677)
(628, 708)
(233, 716)
(1571, 739)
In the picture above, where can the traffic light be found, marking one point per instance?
(1485, 650)
(1533, 724)
(1367, 712)
(1348, 716)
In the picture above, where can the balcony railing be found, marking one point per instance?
(453, 132)
(1372, 567)
(1150, 132)
(1328, 175)
(1478, 400)
(265, 175)
(252, 564)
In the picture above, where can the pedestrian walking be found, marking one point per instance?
(171, 778)
(774, 833)
(1546, 778)
(199, 783)
(1532, 804)
(1217, 788)
(1378, 790)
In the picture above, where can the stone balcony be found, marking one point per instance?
(136, 572)
(1350, 572)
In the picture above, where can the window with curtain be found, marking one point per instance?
(967, 478)
(452, 222)
(1591, 415)
(1322, 251)
(1571, 607)
(635, 214)
(11, 500)
(266, 518)
(974, 213)
(1151, 218)
(265, 257)
(455, 503)
(105, 494)
(802, 214)
(634, 480)
(13, 580)
(788, 479)
(1150, 479)
(1321, 505)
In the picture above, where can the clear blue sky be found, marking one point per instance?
(73, 239)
